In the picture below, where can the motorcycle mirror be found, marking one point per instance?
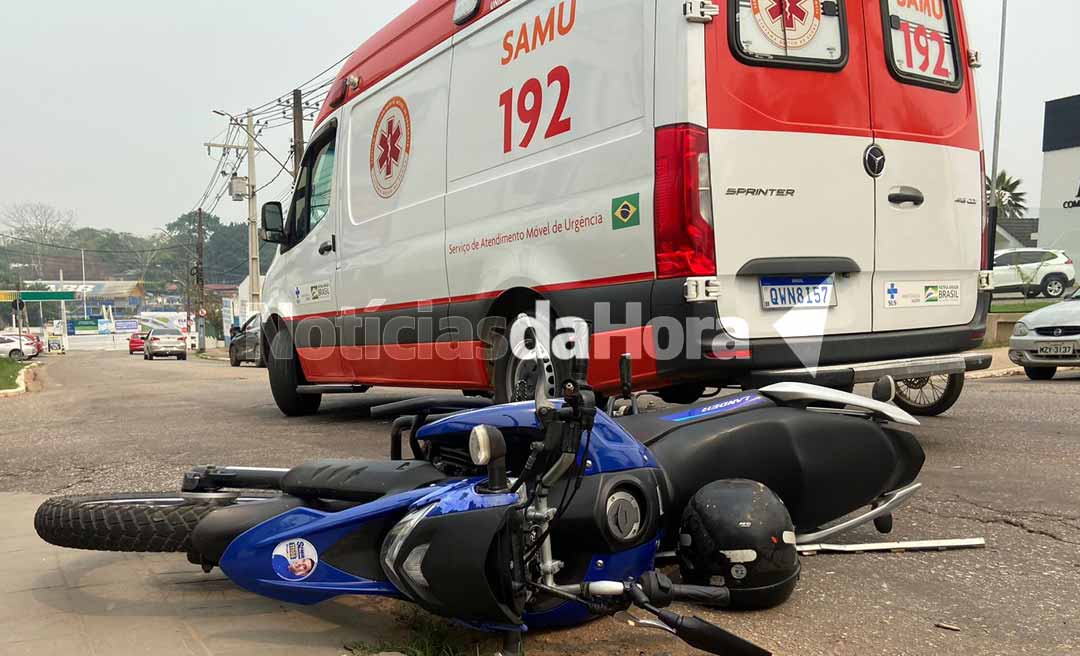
(487, 446)
(705, 636)
(626, 377)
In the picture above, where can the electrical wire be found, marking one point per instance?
(95, 250)
(326, 70)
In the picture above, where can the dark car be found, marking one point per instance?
(246, 343)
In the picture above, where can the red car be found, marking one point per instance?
(136, 343)
(36, 339)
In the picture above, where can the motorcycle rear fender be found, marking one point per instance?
(823, 466)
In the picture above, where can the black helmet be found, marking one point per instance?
(737, 533)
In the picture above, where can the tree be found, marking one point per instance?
(1013, 202)
(39, 225)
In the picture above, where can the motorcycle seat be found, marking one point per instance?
(649, 428)
(358, 480)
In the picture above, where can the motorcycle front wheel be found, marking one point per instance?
(929, 396)
(144, 522)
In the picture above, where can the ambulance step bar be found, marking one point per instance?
(332, 389)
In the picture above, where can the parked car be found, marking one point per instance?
(246, 343)
(720, 166)
(17, 347)
(1033, 271)
(165, 342)
(136, 343)
(39, 345)
(1047, 339)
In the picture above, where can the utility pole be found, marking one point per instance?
(200, 280)
(63, 317)
(254, 268)
(86, 315)
(298, 131)
(995, 208)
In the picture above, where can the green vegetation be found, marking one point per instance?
(1009, 307)
(41, 240)
(428, 636)
(9, 371)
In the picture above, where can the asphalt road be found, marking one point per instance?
(1001, 465)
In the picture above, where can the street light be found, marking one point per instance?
(994, 196)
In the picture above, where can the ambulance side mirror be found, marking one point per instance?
(464, 10)
(273, 223)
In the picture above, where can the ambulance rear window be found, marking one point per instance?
(800, 33)
(920, 42)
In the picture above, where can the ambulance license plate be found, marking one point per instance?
(1052, 348)
(789, 292)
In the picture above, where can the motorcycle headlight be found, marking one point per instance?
(391, 549)
(1021, 329)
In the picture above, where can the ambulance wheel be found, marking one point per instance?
(516, 379)
(929, 396)
(286, 375)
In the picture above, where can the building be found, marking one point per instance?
(1059, 221)
(1017, 233)
(124, 298)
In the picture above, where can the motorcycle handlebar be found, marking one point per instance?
(706, 636)
(703, 595)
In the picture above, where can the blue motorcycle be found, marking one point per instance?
(541, 513)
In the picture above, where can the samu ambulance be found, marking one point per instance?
(732, 192)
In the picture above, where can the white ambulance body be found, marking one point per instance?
(804, 176)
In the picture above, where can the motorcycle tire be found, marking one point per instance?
(911, 398)
(146, 522)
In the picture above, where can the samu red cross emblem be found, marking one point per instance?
(389, 147)
(790, 10)
(391, 144)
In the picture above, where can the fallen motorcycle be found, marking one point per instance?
(542, 513)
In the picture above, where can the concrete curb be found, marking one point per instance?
(997, 373)
(214, 358)
(20, 382)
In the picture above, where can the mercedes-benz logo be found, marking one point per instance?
(1058, 332)
(874, 160)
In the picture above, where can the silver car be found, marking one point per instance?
(165, 342)
(1047, 339)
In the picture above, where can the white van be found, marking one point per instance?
(801, 181)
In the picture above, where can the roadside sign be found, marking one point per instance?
(38, 296)
(202, 313)
(18, 306)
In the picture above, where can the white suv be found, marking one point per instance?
(1033, 271)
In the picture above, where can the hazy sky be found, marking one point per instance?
(106, 104)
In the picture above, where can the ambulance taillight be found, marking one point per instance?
(685, 241)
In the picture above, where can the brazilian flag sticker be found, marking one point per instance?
(625, 212)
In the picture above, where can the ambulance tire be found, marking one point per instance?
(286, 375)
(509, 368)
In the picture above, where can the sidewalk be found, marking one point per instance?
(62, 601)
(1001, 366)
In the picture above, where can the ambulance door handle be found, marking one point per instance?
(906, 196)
(328, 246)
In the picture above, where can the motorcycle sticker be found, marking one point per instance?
(295, 560)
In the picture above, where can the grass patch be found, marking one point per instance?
(9, 371)
(1020, 307)
(428, 636)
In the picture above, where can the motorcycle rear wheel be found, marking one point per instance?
(144, 522)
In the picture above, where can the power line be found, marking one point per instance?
(326, 70)
(95, 250)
